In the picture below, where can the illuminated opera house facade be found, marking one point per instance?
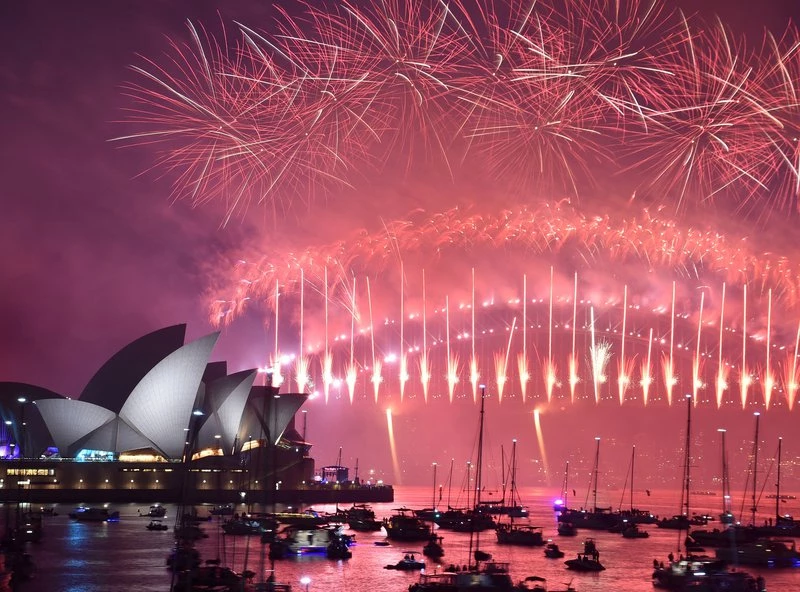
(159, 422)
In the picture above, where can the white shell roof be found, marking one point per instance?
(69, 420)
(160, 406)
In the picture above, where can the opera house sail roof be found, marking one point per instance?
(149, 395)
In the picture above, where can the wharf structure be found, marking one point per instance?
(158, 422)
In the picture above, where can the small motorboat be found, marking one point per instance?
(433, 548)
(632, 531)
(539, 584)
(156, 511)
(409, 562)
(589, 560)
(567, 529)
(552, 551)
(183, 558)
(339, 547)
(92, 514)
(223, 510)
(156, 525)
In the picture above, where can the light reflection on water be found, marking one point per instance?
(124, 556)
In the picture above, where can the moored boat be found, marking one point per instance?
(769, 553)
(339, 547)
(433, 548)
(589, 560)
(552, 551)
(156, 525)
(93, 514)
(539, 584)
(567, 529)
(155, 511)
(489, 577)
(522, 535)
(403, 526)
(517, 534)
(704, 575)
(409, 562)
(632, 531)
(296, 540)
(209, 577)
(361, 518)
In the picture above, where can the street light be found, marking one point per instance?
(305, 581)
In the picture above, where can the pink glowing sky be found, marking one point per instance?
(94, 254)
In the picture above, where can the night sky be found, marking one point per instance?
(97, 252)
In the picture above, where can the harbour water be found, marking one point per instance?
(124, 556)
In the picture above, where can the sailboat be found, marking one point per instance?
(725, 537)
(785, 525)
(521, 534)
(484, 575)
(757, 551)
(433, 548)
(633, 516)
(727, 517)
(694, 572)
(597, 518)
(682, 521)
(560, 504)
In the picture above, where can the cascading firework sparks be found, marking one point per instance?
(551, 320)
(531, 92)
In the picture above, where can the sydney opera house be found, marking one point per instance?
(158, 422)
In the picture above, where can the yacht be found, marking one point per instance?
(524, 535)
(295, 540)
(361, 518)
(761, 554)
(489, 577)
(402, 526)
(509, 533)
(632, 531)
(704, 574)
(155, 511)
(92, 514)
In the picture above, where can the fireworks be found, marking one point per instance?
(685, 334)
(542, 95)
(652, 240)
(552, 98)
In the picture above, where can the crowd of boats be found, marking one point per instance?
(709, 560)
(693, 570)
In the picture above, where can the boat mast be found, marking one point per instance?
(725, 484)
(433, 505)
(503, 473)
(478, 482)
(479, 470)
(596, 464)
(755, 471)
(633, 459)
(566, 476)
(512, 505)
(778, 485)
(687, 463)
(450, 482)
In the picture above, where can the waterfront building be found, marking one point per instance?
(159, 422)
